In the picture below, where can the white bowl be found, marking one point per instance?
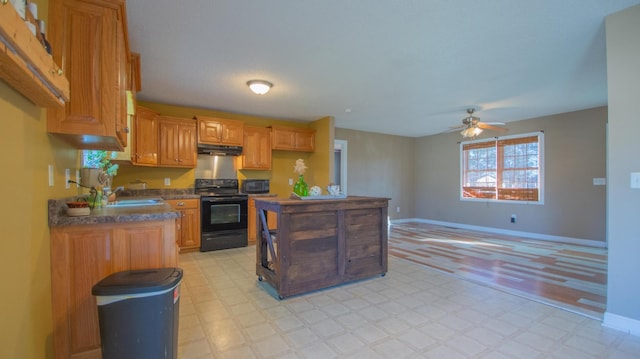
(75, 212)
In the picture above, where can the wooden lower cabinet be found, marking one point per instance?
(188, 224)
(81, 256)
(252, 220)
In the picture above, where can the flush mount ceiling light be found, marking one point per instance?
(259, 87)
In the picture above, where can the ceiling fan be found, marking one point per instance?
(472, 126)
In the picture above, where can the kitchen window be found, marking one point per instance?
(505, 168)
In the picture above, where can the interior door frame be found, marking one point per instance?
(341, 146)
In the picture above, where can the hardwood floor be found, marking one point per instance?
(567, 276)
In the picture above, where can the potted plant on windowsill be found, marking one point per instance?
(99, 168)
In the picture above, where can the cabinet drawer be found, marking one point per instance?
(191, 203)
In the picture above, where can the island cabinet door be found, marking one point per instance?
(312, 258)
(365, 243)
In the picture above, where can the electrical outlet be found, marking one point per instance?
(513, 218)
(167, 181)
(67, 178)
(290, 181)
(398, 209)
(77, 178)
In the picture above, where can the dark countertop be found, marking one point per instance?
(253, 195)
(58, 216)
(57, 209)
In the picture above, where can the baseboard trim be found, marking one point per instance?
(623, 324)
(540, 236)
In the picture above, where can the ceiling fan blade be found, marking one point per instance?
(453, 129)
(484, 126)
(495, 123)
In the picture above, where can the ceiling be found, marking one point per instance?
(408, 68)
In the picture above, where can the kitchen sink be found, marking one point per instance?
(137, 202)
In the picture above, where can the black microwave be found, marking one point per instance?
(254, 186)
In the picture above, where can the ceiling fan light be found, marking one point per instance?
(259, 87)
(471, 132)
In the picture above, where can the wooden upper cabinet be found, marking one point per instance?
(218, 131)
(89, 40)
(25, 64)
(256, 151)
(293, 139)
(145, 137)
(177, 145)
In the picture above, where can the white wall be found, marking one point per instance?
(623, 157)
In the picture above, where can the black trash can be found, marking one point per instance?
(138, 313)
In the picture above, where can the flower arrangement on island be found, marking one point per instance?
(300, 188)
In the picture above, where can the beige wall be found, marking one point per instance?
(573, 206)
(381, 166)
(27, 150)
(623, 158)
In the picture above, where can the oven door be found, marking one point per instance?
(223, 213)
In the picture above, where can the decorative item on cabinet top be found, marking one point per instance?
(25, 64)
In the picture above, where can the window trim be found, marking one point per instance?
(541, 165)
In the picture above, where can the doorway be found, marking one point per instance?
(340, 164)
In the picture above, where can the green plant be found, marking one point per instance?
(101, 159)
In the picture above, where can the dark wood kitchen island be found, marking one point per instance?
(320, 243)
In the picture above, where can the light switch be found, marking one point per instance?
(635, 179)
(599, 181)
(50, 168)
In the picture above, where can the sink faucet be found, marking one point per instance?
(111, 195)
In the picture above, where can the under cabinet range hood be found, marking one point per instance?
(219, 150)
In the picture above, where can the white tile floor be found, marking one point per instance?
(412, 312)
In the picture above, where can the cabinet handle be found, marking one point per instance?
(180, 203)
(126, 130)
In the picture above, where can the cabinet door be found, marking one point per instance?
(232, 133)
(169, 138)
(189, 230)
(219, 131)
(364, 241)
(209, 131)
(122, 81)
(83, 255)
(252, 218)
(293, 139)
(305, 141)
(145, 143)
(190, 236)
(256, 151)
(177, 145)
(88, 41)
(283, 140)
(187, 147)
